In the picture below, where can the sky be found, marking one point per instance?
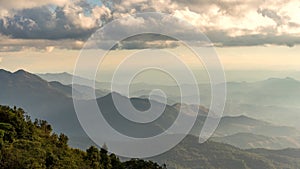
(47, 36)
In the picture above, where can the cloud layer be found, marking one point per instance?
(225, 22)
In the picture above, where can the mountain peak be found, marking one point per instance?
(24, 75)
(281, 79)
(21, 71)
(58, 74)
(4, 71)
(290, 78)
(114, 94)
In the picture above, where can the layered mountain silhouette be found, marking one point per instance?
(284, 91)
(67, 79)
(266, 100)
(250, 140)
(245, 132)
(53, 101)
(189, 154)
(43, 100)
(64, 78)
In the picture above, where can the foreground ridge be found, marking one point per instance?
(26, 144)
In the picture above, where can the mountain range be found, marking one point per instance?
(53, 102)
(266, 99)
(189, 154)
(245, 132)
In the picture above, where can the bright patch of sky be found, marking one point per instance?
(95, 2)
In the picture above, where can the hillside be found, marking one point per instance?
(26, 144)
(245, 132)
(265, 100)
(64, 78)
(67, 79)
(211, 155)
(250, 140)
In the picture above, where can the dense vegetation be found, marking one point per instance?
(27, 144)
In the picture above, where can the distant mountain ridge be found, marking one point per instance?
(189, 154)
(250, 140)
(64, 77)
(245, 132)
(67, 79)
(52, 101)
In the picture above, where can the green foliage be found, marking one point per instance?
(25, 145)
(137, 164)
(93, 157)
(63, 140)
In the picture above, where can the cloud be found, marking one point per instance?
(23, 4)
(49, 49)
(12, 45)
(170, 26)
(271, 14)
(130, 45)
(226, 22)
(222, 39)
(67, 22)
(0, 59)
(146, 41)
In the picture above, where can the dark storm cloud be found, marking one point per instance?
(223, 40)
(41, 23)
(146, 41)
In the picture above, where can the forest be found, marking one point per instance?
(32, 144)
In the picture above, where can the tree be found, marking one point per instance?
(115, 162)
(105, 160)
(93, 157)
(63, 140)
(50, 160)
